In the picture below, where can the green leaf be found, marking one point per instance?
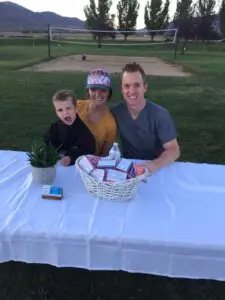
(43, 155)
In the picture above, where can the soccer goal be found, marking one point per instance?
(101, 38)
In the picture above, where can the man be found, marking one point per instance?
(146, 129)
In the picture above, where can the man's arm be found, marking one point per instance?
(170, 154)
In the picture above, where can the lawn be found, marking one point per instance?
(197, 106)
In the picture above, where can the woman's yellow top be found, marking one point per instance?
(104, 130)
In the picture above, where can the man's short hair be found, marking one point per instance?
(63, 95)
(133, 67)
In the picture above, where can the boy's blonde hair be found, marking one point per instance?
(63, 95)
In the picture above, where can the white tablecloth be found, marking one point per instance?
(175, 226)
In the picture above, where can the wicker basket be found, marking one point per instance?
(114, 191)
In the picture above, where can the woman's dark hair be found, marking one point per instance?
(110, 93)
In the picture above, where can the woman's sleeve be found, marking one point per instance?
(111, 132)
(110, 136)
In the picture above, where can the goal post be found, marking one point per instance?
(86, 36)
(113, 37)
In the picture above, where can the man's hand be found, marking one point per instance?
(150, 166)
(170, 154)
(65, 161)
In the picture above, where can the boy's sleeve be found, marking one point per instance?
(50, 136)
(85, 145)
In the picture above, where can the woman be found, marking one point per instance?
(95, 112)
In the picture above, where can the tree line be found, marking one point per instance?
(194, 20)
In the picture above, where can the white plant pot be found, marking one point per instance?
(43, 175)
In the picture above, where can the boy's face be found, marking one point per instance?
(65, 111)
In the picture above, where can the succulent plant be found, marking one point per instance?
(43, 155)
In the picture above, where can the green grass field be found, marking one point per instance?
(197, 105)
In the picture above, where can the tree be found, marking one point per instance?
(156, 15)
(164, 17)
(205, 12)
(127, 15)
(98, 18)
(184, 21)
(222, 18)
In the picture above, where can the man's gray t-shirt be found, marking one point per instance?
(143, 138)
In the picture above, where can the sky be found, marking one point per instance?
(74, 8)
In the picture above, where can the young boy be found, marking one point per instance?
(69, 134)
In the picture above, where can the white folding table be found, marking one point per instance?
(174, 226)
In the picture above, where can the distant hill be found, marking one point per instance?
(14, 17)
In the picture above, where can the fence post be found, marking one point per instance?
(49, 42)
(176, 43)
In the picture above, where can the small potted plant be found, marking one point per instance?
(43, 158)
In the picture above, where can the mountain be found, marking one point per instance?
(14, 17)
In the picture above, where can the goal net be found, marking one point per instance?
(112, 37)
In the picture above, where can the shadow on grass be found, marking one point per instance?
(35, 281)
